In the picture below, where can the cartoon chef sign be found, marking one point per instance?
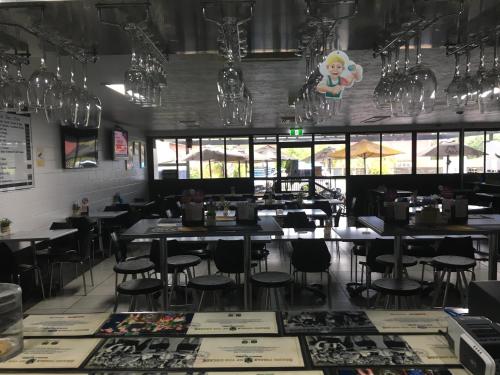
(339, 72)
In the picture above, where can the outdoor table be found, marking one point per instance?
(153, 228)
(32, 236)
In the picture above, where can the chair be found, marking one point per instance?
(271, 281)
(297, 220)
(78, 255)
(11, 270)
(311, 256)
(209, 284)
(325, 206)
(229, 257)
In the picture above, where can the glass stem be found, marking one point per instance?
(407, 55)
(418, 43)
(467, 62)
(495, 55)
(457, 65)
(382, 57)
(481, 56)
(396, 59)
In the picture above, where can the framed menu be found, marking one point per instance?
(327, 322)
(52, 354)
(249, 352)
(62, 325)
(233, 323)
(16, 159)
(417, 321)
(130, 324)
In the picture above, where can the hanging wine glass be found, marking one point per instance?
(489, 97)
(380, 94)
(398, 84)
(456, 93)
(70, 98)
(40, 82)
(471, 83)
(20, 99)
(81, 104)
(6, 87)
(94, 106)
(54, 98)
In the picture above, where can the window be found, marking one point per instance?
(237, 157)
(261, 186)
(493, 152)
(474, 152)
(212, 158)
(329, 160)
(165, 159)
(188, 153)
(365, 154)
(326, 186)
(426, 153)
(265, 160)
(396, 153)
(296, 161)
(449, 152)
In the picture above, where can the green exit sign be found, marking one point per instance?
(296, 132)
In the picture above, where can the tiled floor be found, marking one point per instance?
(100, 297)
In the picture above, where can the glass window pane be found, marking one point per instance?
(261, 186)
(474, 152)
(365, 154)
(164, 159)
(329, 160)
(212, 157)
(264, 157)
(188, 150)
(493, 152)
(330, 187)
(237, 157)
(294, 185)
(295, 161)
(449, 153)
(426, 153)
(396, 153)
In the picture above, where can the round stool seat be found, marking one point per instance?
(271, 279)
(210, 282)
(135, 266)
(397, 287)
(389, 260)
(453, 262)
(183, 261)
(140, 286)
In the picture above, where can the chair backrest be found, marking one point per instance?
(84, 226)
(118, 248)
(296, 220)
(378, 247)
(325, 206)
(460, 246)
(228, 256)
(336, 218)
(8, 265)
(66, 242)
(310, 255)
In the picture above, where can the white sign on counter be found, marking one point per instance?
(16, 161)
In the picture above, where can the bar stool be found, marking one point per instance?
(446, 264)
(271, 281)
(137, 287)
(396, 288)
(209, 283)
(389, 261)
(178, 264)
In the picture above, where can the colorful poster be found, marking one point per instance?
(233, 323)
(339, 72)
(62, 325)
(417, 321)
(249, 352)
(129, 324)
(432, 349)
(361, 350)
(52, 354)
(327, 322)
(145, 353)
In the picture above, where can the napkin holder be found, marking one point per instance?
(193, 215)
(397, 212)
(246, 214)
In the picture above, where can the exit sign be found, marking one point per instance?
(296, 132)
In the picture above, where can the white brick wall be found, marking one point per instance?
(57, 188)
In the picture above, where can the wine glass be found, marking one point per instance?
(6, 87)
(456, 93)
(396, 90)
(471, 82)
(70, 98)
(489, 97)
(54, 98)
(20, 87)
(80, 103)
(381, 92)
(40, 82)
(94, 111)
(134, 79)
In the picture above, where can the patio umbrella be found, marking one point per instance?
(366, 149)
(212, 154)
(325, 154)
(452, 149)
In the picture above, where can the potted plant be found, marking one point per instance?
(5, 225)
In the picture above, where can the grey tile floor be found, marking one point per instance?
(100, 297)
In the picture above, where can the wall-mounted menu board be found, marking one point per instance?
(16, 161)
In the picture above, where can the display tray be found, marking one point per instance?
(145, 324)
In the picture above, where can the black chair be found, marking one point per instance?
(79, 254)
(229, 257)
(297, 220)
(325, 206)
(311, 256)
(271, 281)
(209, 284)
(11, 270)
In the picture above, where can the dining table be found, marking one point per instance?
(33, 236)
(164, 229)
(99, 216)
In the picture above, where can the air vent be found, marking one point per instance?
(287, 120)
(189, 123)
(371, 120)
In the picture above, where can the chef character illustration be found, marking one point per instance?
(339, 72)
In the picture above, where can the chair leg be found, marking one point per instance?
(437, 288)
(91, 273)
(50, 278)
(201, 300)
(81, 264)
(329, 297)
(446, 288)
(115, 307)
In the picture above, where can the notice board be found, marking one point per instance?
(16, 159)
